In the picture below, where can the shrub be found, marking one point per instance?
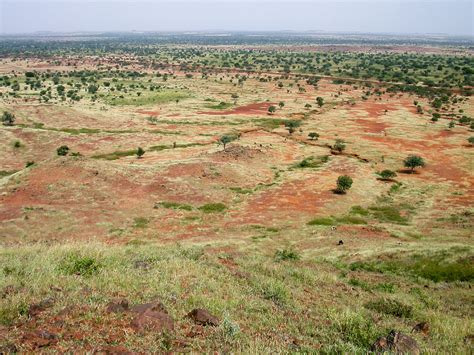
(75, 264)
(17, 144)
(8, 119)
(140, 152)
(391, 307)
(275, 291)
(213, 207)
(62, 150)
(286, 254)
(313, 135)
(29, 163)
(355, 329)
(339, 145)
(344, 183)
(471, 140)
(321, 221)
(386, 174)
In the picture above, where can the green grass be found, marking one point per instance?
(321, 221)
(4, 173)
(389, 214)
(140, 222)
(162, 97)
(220, 106)
(332, 221)
(174, 205)
(391, 307)
(312, 162)
(213, 208)
(241, 190)
(116, 155)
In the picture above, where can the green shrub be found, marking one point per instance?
(213, 207)
(140, 222)
(286, 254)
(62, 150)
(321, 221)
(174, 205)
(275, 291)
(356, 329)
(75, 264)
(391, 307)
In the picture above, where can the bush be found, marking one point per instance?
(62, 150)
(344, 183)
(8, 119)
(275, 291)
(386, 174)
(75, 264)
(213, 207)
(339, 145)
(391, 307)
(286, 254)
(140, 152)
(356, 329)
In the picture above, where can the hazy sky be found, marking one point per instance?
(394, 16)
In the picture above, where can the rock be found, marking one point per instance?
(156, 306)
(8, 349)
(157, 321)
(40, 339)
(203, 317)
(36, 308)
(422, 327)
(397, 343)
(152, 316)
(117, 306)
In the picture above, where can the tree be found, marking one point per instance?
(339, 145)
(8, 118)
(344, 183)
(313, 135)
(435, 117)
(451, 124)
(413, 161)
(140, 152)
(271, 109)
(386, 174)
(281, 104)
(62, 150)
(291, 126)
(320, 101)
(226, 139)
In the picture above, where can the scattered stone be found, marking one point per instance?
(203, 317)
(397, 343)
(40, 339)
(117, 306)
(152, 316)
(422, 327)
(36, 308)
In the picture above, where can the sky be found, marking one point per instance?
(453, 17)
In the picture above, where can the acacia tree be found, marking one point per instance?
(344, 183)
(291, 126)
(226, 139)
(413, 161)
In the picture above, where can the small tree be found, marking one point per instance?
(386, 174)
(344, 183)
(140, 152)
(62, 150)
(281, 104)
(413, 161)
(271, 110)
(291, 126)
(320, 101)
(339, 145)
(8, 118)
(313, 135)
(226, 139)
